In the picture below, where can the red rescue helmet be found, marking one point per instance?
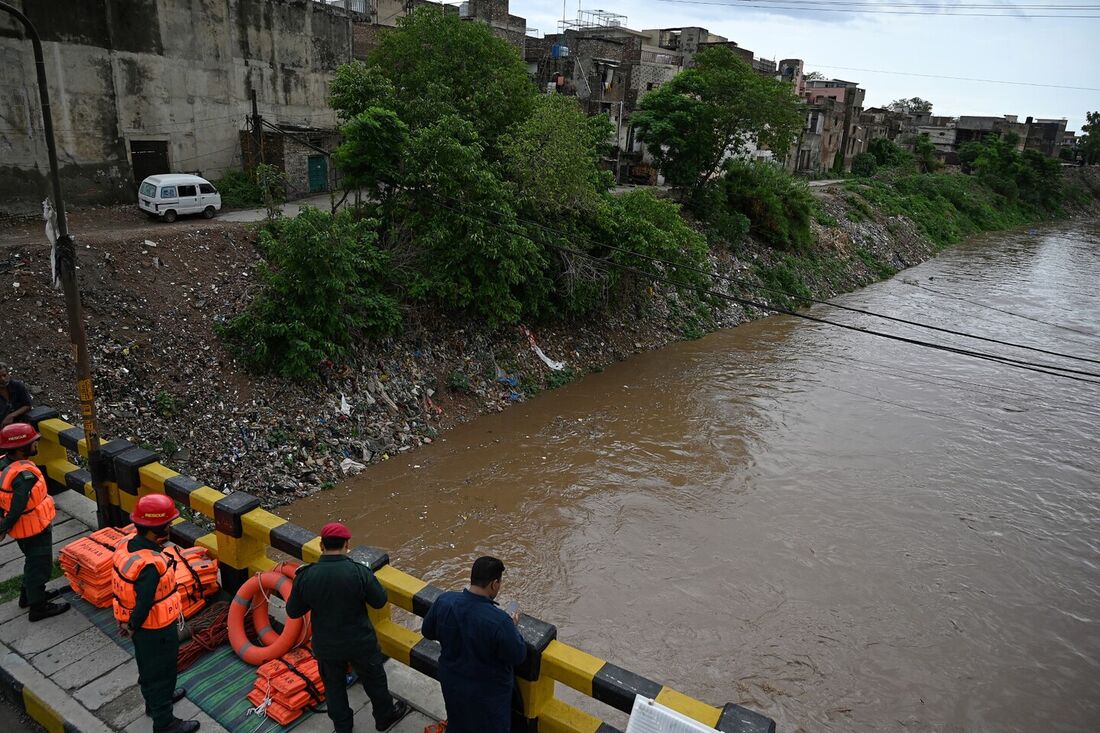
(17, 435)
(154, 510)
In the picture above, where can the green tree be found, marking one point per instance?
(913, 105)
(778, 206)
(440, 65)
(373, 148)
(357, 87)
(552, 157)
(712, 111)
(888, 154)
(323, 285)
(864, 165)
(925, 153)
(1090, 143)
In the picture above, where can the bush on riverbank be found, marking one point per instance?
(778, 206)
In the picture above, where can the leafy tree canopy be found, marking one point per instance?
(913, 105)
(1090, 144)
(439, 64)
(712, 111)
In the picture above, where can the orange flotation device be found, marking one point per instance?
(287, 686)
(253, 595)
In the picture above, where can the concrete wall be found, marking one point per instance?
(178, 71)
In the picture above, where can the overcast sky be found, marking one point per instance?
(1061, 51)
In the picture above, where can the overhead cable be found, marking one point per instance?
(1038, 367)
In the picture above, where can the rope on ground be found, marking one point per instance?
(209, 630)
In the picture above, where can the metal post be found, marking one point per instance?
(66, 273)
(257, 133)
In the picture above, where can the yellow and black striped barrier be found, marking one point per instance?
(243, 532)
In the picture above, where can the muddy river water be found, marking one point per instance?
(846, 533)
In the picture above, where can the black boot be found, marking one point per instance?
(50, 595)
(177, 694)
(179, 726)
(400, 709)
(47, 610)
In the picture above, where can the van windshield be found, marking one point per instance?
(148, 189)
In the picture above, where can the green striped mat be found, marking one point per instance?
(217, 683)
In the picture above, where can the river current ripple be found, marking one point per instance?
(846, 533)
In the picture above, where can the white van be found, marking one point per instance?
(170, 194)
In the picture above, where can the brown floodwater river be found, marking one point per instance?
(843, 532)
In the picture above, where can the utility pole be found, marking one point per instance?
(257, 133)
(65, 271)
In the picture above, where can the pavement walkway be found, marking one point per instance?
(70, 676)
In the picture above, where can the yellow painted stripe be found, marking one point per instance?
(311, 551)
(57, 470)
(51, 429)
(396, 641)
(560, 717)
(126, 501)
(689, 706)
(571, 666)
(154, 475)
(202, 500)
(258, 523)
(38, 710)
(210, 542)
(401, 587)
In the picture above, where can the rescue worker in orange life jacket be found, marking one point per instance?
(28, 511)
(147, 608)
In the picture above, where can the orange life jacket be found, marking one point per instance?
(128, 566)
(40, 509)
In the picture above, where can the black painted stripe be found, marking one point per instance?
(424, 657)
(738, 719)
(290, 538)
(424, 599)
(180, 488)
(70, 438)
(186, 534)
(372, 557)
(605, 728)
(75, 480)
(229, 510)
(537, 634)
(618, 687)
(38, 414)
(127, 465)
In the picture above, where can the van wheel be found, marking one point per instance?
(170, 216)
(209, 212)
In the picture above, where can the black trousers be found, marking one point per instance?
(155, 651)
(373, 676)
(38, 561)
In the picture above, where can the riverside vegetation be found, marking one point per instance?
(483, 201)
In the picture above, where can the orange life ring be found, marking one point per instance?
(261, 620)
(253, 595)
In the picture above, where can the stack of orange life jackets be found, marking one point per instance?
(87, 564)
(196, 577)
(286, 686)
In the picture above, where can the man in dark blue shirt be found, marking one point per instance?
(480, 648)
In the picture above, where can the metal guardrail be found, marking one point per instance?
(243, 532)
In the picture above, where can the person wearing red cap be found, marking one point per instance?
(147, 609)
(28, 513)
(334, 590)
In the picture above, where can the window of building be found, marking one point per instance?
(187, 190)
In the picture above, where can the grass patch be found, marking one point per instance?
(882, 270)
(9, 589)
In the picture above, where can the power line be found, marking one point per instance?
(962, 78)
(745, 283)
(1038, 367)
(817, 9)
(978, 304)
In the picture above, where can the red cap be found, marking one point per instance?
(154, 510)
(335, 529)
(17, 435)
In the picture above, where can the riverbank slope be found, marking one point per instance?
(166, 381)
